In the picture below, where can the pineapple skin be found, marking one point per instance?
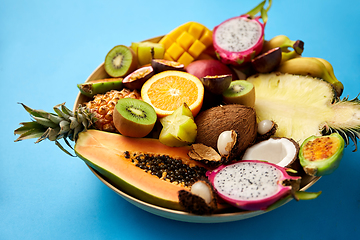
(102, 106)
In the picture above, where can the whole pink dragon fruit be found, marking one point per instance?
(252, 184)
(239, 39)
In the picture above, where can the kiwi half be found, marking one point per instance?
(134, 117)
(120, 61)
(240, 92)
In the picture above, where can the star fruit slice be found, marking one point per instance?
(179, 128)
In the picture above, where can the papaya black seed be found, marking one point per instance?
(175, 170)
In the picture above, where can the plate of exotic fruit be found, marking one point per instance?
(207, 125)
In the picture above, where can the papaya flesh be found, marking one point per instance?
(112, 155)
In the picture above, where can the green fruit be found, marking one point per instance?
(146, 51)
(134, 117)
(179, 128)
(120, 61)
(240, 92)
(100, 86)
(321, 155)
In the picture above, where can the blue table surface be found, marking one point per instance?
(47, 47)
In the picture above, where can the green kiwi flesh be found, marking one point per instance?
(120, 61)
(134, 117)
(240, 92)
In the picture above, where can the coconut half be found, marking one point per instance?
(239, 118)
(280, 151)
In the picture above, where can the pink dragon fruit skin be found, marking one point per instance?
(251, 184)
(247, 48)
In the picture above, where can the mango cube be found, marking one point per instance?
(185, 40)
(206, 38)
(196, 30)
(196, 49)
(175, 50)
(185, 59)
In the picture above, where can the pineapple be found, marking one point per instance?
(66, 124)
(102, 106)
(303, 106)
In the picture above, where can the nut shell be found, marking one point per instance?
(212, 122)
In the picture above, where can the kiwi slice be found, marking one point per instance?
(120, 61)
(240, 92)
(134, 117)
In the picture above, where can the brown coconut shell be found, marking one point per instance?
(210, 123)
(196, 204)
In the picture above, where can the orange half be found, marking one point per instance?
(168, 90)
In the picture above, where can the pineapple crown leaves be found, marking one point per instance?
(63, 124)
(350, 133)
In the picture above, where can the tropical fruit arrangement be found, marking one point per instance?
(208, 120)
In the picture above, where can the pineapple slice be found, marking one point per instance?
(303, 106)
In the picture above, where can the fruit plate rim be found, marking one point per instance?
(179, 215)
(189, 217)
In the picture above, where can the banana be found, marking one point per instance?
(289, 55)
(284, 42)
(330, 69)
(313, 67)
(328, 66)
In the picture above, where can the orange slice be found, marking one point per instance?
(168, 90)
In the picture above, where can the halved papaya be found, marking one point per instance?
(115, 157)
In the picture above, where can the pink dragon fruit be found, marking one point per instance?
(252, 184)
(239, 39)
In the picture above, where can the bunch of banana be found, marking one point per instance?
(284, 42)
(292, 62)
(315, 67)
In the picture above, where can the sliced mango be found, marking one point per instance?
(185, 43)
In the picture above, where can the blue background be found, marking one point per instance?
(47, 47)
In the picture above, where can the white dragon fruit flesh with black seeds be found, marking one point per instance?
(238, 40)
(252, 184)
(238, 34)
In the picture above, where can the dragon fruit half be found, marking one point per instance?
(239, 39)
(252, 184)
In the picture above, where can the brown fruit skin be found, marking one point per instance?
(267, 61)
(145, 72)
(212, 122)
(209, 67)
(160, 65)
(217, 84)
(129, 128)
